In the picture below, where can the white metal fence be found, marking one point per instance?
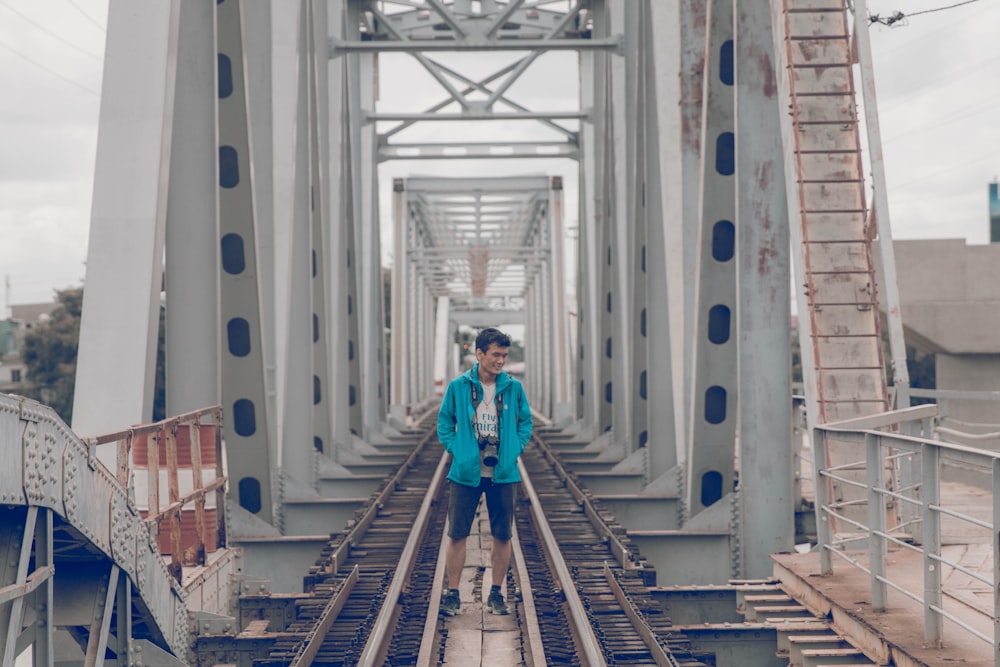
(896, 500)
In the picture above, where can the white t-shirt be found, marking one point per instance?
(486, 422)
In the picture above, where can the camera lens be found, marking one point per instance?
(490, 455)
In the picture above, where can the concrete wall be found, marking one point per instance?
(950, 295)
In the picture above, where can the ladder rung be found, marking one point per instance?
(847, 368)
(816, 38)
(846, 151)
(834, 210)
(831, 180)
(860, 400)
(831, 94)
(835, 241)
(852, 122)
(825, 65)
(823, 304)
(816, 335)
(839, 273)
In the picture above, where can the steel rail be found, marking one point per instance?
(531, 632)
(662, 657)
(378, 640)
(341, 554)
(307, 652)
(588, 647)
(622, 553)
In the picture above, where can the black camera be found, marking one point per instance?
(490, 447)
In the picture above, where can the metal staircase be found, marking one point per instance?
(842, 357)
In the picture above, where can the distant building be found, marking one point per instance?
(23, 319)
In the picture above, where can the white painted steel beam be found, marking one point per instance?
(586, 352)
(317, 201)
(711, 455)
(562, 380)
(338, 47)
(693, 26)
(491, 151)
(661, 134)
(244, 389)
(441, 345)
(118, 331)
(619, 171)
(766, 519)
(191, 280)
(297, 451)
(399, 331)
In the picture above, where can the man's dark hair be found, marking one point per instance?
(488, 336)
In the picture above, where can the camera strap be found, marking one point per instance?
(475, 398)
(475, 405)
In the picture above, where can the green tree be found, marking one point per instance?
(50, 355)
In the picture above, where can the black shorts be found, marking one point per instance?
(463, 501)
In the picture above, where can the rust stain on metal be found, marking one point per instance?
(769, 86)
(765, 256)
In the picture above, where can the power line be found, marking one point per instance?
(945, 170)
(941, 9)
(952, 76)
(898, 16)
(86, 15)
(50, 33)
(987, 105)
(50, 71)
(938, 27)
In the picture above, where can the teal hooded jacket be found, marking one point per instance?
(456, 431)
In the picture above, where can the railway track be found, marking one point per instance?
(578, 590)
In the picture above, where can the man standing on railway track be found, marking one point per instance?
(484, 423)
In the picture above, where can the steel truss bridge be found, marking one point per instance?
(258, 166)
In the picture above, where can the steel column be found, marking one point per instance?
(620, 135)
(562, 350)
(399, 378)
(546, 291)
(114, 377)
(664, 198)
(885, 258)
(441, 346)
(877, 524)
(337, 95)
(244, 392)
(586, 356)
(325, 392)
(358, 92)
(767, 522)
(637, 262)
(192, 257)
(18, 560)
(604, 220)
(297, 453)
(260, 93)
(693, 25)
(712, 423)
(367, 256)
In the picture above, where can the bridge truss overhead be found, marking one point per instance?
(239, 161)
(485, 250)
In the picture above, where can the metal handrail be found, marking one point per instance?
(161, 439)
(883, 450)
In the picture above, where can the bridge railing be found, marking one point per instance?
(908, 508)
(183, 453)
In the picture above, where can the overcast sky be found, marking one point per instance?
(938, 86)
